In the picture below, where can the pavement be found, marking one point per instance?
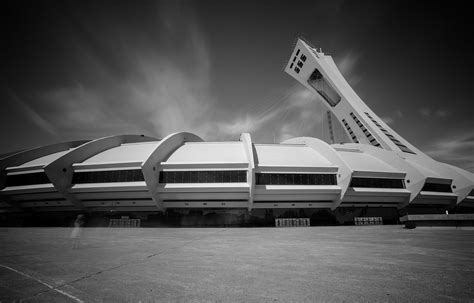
(306, 264)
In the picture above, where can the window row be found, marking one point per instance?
(300, 62)
(377, 183)
(129, 175)
(436, 187)
(400, 145)
(218, 176)
(295, 179)
(351, 133)
(366, 132)
(27, 179)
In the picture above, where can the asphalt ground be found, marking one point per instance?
(312, 264)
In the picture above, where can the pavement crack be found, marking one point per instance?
(137, 261)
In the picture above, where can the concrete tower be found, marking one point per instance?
(318, 72)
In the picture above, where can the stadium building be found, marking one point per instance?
(181, 176)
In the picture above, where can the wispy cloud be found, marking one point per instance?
(297, 112)
(429, 113)
(455, 148)
(391, 119)
(33, 115)
(388, 120)
(347, 65)
(163, 87)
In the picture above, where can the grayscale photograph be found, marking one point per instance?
(236, 151)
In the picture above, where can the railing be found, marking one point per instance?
(124, 223)
(292, 222)
(368, 221)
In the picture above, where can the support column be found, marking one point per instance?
(249, 151)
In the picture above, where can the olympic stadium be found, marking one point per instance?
(376, 173)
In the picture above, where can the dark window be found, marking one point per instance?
(300, 64)
(351, 133)
(186, 176)
(274, 179)
(203, 176)
(219, 176)
(226, 176)
(291, 66)
(289, 179)
(317, 81)
(297, 52)
(210, 177)
(297, 70)
(242, 176)
(193, 177)
(436, 187)
(400, 145)
(369, 136)
(130, 175)
(27, 179)
(295, 179)
(303, 57)
(304, 179)
(377, 183)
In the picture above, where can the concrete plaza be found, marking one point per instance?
(312, 264)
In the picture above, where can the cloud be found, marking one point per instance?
(33, 115)
(388, 120)
(346, 64)
(456, 149)
(159, 82)
(429, 113)
(397, 114)
(160, 86)
(298, 112)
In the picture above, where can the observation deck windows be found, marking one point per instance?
(226, 176)
(349, 130)
(324, 89)
(108, 176)
(295, 179)
(377, 183)
(399, 144)
(366, 132)
(27, 179)
(437, 187)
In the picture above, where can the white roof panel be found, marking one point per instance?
(209, 152)
(360, 161)
(289, 155)
(45, 160)
(130, 152)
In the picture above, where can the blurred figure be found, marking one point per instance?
(77, 231)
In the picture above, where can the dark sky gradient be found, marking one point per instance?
(79, 69)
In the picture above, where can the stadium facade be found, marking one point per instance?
(377, 172)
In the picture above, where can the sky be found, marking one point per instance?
(76, 70)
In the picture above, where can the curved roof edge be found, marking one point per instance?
(60, 171)
(152, 165)
(344, 173)
(24, 156)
